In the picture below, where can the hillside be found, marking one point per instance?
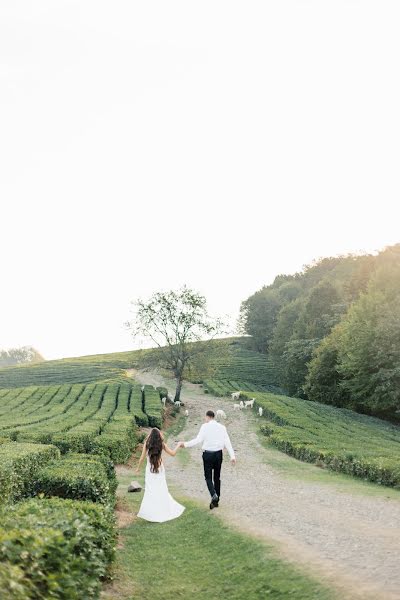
(336, 438)
(333, 330)
(229, 359)
(83, 369)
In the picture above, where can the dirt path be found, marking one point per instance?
(351, 540)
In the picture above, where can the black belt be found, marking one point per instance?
(212, 451)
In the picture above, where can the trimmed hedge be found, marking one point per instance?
(340, 439)
(13, 583)
(19, 466)
(79, 477)
(153, 406)
(163, 391)
(53, 548)
(118, 439)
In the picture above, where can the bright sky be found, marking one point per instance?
(144, 145)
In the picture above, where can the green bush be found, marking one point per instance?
(63, 548)
(13, 583)
(79, 477)
(163, 391)
(153, 407)
(95, 459)
(117, 440)
(342, 440)
(19, 465)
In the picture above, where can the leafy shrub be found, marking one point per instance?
(19, 465)
(342, 440)
(117, 440)
(163, 391)
(62, 547)
(13, 583)
(153, 407)
(81, 477)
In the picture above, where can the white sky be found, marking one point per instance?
(144, 145)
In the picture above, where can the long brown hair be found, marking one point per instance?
(154, 447)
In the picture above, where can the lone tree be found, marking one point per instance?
(174, 320)
(17, 356)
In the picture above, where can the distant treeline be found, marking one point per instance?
(333, 331)
(19, 356)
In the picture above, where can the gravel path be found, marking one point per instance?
(350, 540)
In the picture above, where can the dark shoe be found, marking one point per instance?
(214, 502)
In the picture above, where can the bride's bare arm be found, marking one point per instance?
(169, 451)
(142, 457)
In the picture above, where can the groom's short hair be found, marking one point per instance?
(210, 413)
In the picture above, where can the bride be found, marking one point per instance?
(157, 505)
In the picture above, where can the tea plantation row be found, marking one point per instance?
(57, 524)
(339, 439)
(85, 369)
(97, 417)
(59, 543)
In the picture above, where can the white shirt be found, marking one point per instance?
(214, 437)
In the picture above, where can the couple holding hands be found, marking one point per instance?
(157, 504)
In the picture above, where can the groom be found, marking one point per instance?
(214, 439)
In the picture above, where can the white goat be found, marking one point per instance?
(220, 414)
(241, 404)
(260, 411)
(163, 400)
(235, 395)
(186, 413)
(249, 403)
(177, 403)
(237, 407)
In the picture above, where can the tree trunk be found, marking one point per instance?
(178, 389)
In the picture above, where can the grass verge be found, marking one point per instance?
(198, 557)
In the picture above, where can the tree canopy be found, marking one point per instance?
(17, 356)
(173, 321)
(333, 331)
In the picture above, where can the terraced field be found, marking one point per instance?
(84, 418)
(85, 369)
(239, 363)
(232, 365)
(339, 439)
(224, 387)
(58, 445)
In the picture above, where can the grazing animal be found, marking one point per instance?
(163, 400)
(187, 412)
(235, 395)
(260, 411)
(177, 403)
(220, 414)
(236, 407)
(249, 403)
(142, 388)
(241, 404)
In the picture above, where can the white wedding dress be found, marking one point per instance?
(158, 505)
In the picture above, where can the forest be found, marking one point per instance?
(332, 331)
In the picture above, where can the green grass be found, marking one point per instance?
(198, 557)
(291, 468)
(337, 439)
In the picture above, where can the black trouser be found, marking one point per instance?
(212, 471)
